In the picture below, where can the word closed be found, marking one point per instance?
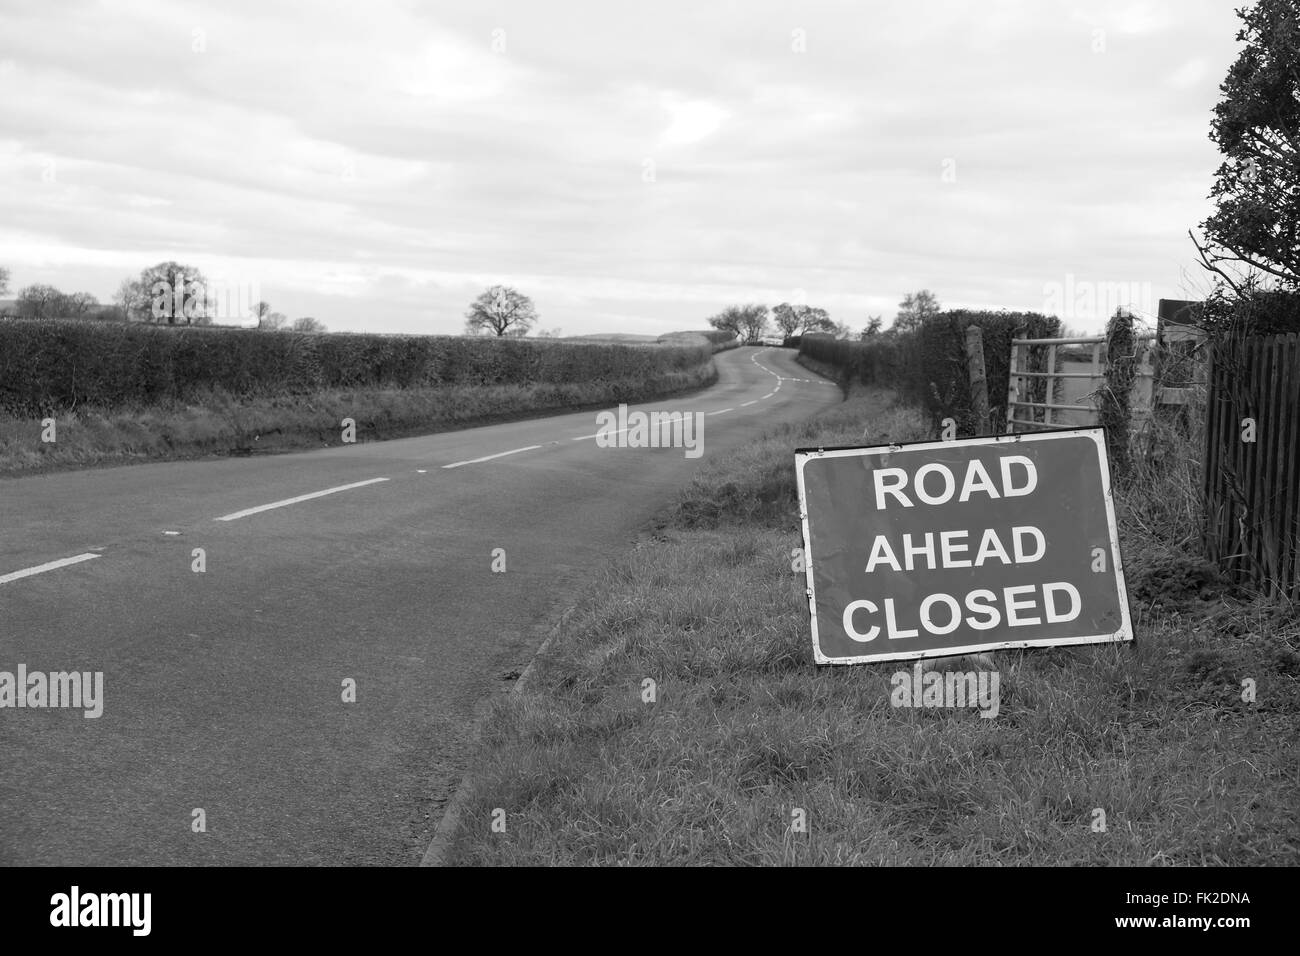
(935, 549)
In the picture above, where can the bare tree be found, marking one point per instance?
(801, 319)
(4, 281)
(501, 310)
(78, 304)
(132, 298)
(168, 292)
(728, 320)
(787, 318)
(915, 309)
(40, 302)
(306, 324)
(266, 318)
(746, 321)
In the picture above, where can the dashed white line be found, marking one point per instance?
(293, 501)
(721, 411)
(617, 431)
(475, 461)
(49, 566)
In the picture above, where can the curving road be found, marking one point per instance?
(223, 690)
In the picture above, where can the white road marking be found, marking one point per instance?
(754, 359)
(721, 411)
(50, 566)
(475, 461)
(293, 501)
(616, 431)
(782, 378)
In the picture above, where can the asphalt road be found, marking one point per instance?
(223, 690)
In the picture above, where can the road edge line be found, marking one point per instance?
(436, 853)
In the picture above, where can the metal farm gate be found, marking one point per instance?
(1054, 383)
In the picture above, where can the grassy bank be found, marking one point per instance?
(744, 733)
(217, 424)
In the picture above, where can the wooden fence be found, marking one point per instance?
(1252, 462)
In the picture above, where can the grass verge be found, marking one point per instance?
(220, 425)
(744, 733)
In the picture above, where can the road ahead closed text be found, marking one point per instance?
(951, 547)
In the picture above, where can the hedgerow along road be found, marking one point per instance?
(225, 737)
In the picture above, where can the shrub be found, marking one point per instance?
(928, 366)
(53, 366)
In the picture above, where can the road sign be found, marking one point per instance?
(938, 548)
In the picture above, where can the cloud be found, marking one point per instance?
(376, 165)
(691, 121)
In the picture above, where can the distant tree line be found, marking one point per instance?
(750, 322)
(172, 293)
(168, 293)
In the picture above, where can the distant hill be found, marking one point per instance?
(710, 336)
(611, 337)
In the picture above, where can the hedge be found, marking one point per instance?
(719, 339)
(928, 366)
(52, 366)
(1255, 312)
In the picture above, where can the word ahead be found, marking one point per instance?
(941, 548)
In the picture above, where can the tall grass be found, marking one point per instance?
(744, 731)
(213, 422)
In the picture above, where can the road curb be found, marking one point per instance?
(436, 853)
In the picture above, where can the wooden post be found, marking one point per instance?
(1049, 397)
(979, 386)
(1141, 403)
(1097, 382)
(1013, 382)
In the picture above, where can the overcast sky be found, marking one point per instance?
(633, 167)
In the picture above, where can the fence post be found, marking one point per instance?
(1013, 385)
(1143, 398)
(1114, 408)
(979, 385)
(1052, 386)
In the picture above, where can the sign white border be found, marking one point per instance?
(1098, 435)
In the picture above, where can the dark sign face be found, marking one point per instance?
(955, 547)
